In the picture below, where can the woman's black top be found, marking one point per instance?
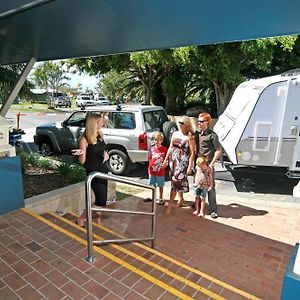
(94, 163)
(94, 157)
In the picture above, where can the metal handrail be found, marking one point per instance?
(89, 209)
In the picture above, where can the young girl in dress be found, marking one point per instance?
(203, 183)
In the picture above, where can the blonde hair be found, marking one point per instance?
(91, 132)
(158, 135)
(188, 124)
(201, 160)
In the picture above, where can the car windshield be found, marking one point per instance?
(154, 119)
(77, 119)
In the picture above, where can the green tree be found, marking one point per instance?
(119, 86)
(142, 69)
(173, 75)
(9, 75)
(175, 80)
(49, 75)
(227, 65)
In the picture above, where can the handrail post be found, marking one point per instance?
(91, 257)
(89, 209)
(153, 231)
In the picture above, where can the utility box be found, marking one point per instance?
(6, 150)
(11, 184)
(291, 283)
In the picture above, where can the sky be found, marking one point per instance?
(86, 81)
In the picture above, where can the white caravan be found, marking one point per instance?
(260, 126)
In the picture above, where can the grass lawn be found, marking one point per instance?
(31, 107)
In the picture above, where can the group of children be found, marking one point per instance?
(203, 174)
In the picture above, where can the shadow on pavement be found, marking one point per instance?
(138, 170)
(141, 170)
(237, 211)
(263, 180)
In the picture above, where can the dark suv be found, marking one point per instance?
(128, 132)
(61, 101)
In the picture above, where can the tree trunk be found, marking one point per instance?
(223, 93)
(170, 104)
(147, 95)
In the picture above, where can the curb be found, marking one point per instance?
(43, 114)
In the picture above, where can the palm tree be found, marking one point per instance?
(9, 75)
(49, 75)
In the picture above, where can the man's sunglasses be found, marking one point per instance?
(201, 121)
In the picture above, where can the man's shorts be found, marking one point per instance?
(156, 180)
(200, 192)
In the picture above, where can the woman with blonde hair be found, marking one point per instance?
(93, 155)
(180, 157)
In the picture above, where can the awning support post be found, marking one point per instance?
(5, 107)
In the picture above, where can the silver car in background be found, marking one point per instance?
(128, 131)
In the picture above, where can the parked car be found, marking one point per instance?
(85, 100)
(102, 101)
(128, 131)
(61, 101)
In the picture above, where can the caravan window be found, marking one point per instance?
(240, 99)
(262, 136)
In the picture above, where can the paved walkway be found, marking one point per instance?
(241, 255)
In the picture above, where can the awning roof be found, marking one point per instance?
(57, 29)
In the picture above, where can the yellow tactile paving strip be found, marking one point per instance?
(146, 276)
(114, 258)
(146, 261)
(189, 268)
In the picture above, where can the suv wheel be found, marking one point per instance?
(45, 148)
(118, 162)
(168, 129)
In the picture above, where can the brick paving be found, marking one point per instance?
(247, 248)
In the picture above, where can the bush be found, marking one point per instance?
(73, 172)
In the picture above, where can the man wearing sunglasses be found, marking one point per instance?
(210, 147)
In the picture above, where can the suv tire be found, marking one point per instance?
(118, 162)
(46, 148)
(168, 129)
